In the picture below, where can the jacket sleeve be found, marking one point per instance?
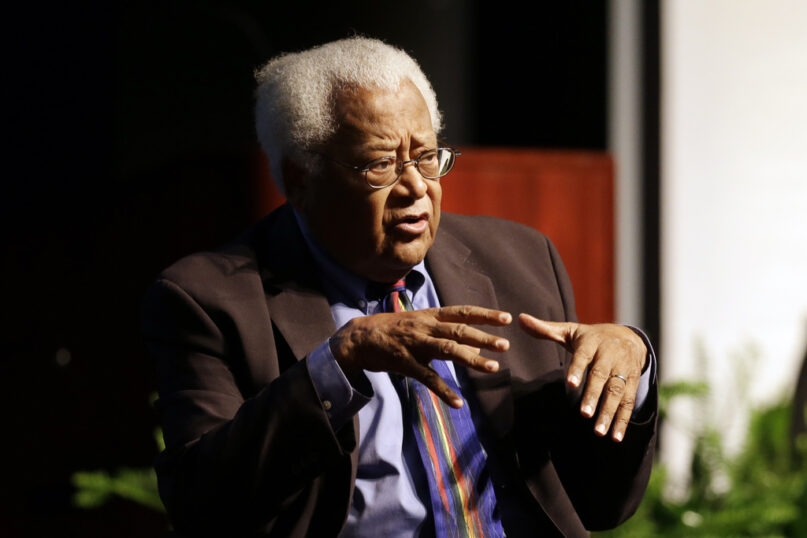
(605, 480)
(239, 459)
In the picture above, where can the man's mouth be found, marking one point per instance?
(412, 224)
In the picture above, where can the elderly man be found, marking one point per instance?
(349, 367)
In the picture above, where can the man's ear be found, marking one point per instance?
(295, 182)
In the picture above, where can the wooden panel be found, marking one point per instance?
(568, 195)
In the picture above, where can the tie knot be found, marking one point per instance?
(398, 286)
(377, 291)
(396, 298)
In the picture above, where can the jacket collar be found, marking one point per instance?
(458, 282)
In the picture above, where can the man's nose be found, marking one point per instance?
(411, 181)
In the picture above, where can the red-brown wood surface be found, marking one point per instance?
(568, 195)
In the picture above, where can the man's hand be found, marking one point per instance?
(405, 343)
(615, 356)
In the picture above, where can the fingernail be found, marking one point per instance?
(618, 436)
(588, 411)
(457, 403)
(600, 429)
(574, 380)
(491, 366)
(505, 318)
(504, 345)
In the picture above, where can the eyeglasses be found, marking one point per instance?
(386, 171)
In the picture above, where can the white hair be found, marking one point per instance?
(295, 94)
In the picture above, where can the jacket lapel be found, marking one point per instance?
(297, 305)
(458, 282)
(296, 302)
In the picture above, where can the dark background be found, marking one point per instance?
(130, 143)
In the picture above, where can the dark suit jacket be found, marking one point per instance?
(250, 450)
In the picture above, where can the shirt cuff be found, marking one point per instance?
(647, 381)
(339, 398)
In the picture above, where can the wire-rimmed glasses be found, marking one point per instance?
(385, 171)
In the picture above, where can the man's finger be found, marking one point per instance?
(449, 350)
(465, 334)
(625, 410)
(558, 331)
(598, 374)
(614, 390)
(582, 357)
(473, 315)
(435, 383)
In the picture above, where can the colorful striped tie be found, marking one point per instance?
(462, 497)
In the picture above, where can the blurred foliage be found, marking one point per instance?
(761, 491)
(94, 488)
(675, 389)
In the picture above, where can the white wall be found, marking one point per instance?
(734, 203)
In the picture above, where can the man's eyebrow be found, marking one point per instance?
(381, 147)
(417, 140)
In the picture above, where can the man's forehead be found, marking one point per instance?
(377, 117)
(359, 99)
(378, 139)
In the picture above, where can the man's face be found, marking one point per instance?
(376, 233)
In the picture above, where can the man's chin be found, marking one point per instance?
(397, 263)
(411, 253)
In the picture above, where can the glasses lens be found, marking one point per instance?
(381, 172)
(436, 163)
(429, 163)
